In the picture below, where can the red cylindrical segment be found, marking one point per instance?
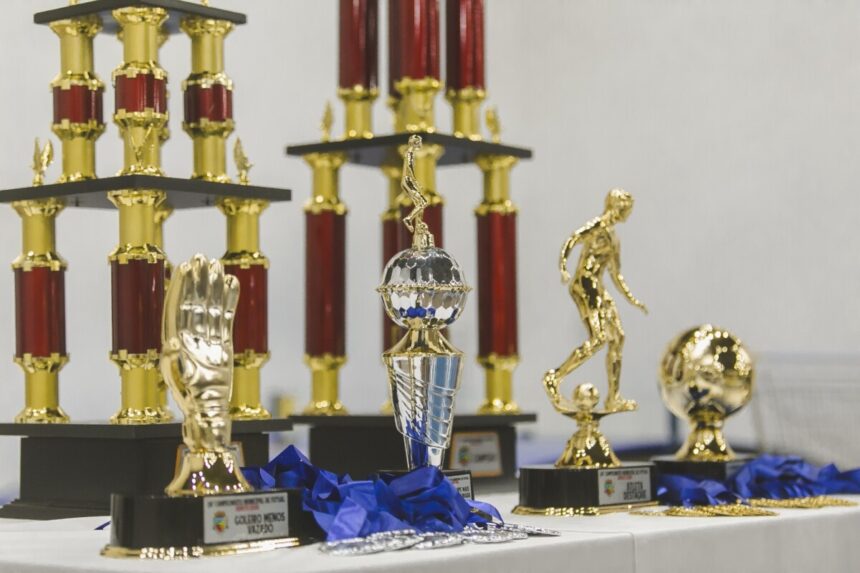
(433, 218)
(391, 245)
(77, 104)
(137, 296)
(465, 44)
(325, 284)
(359, 51)
(418, 39)
(393, 46)
(214, 103)
(141, 92)
(497, 284)
(251, 325)
(40, 312)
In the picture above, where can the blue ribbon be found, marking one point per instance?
(767, 476)
(422, 499)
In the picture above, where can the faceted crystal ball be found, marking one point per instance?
(706, 375)
(423, 288)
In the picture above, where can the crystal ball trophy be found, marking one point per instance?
(588, 478)
(423, 291)
(706, 375)
(208, 508)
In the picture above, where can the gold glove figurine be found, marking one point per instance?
(600, 253)
(197, 364)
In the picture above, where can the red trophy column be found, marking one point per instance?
(414, 30)
(465, 64)
(359, 55)
(497, 285)
(325, 285)
(40, 315)
(137, 263)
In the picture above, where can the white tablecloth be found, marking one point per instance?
(822, 540)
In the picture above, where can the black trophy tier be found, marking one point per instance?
(719, 471)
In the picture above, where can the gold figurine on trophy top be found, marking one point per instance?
(414, 221)
(326, 122)
(600, 254)
(243, 164)
(197, 364)
(494, 126)
(42, 158)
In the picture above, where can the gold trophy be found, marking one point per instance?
(588, 477)
(209, 508)
(706, 375)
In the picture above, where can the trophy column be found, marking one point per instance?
(137, 264)
(208, 98)
(78, 117)
(417, 79)
(40, 314)
(244, 260)
(357, 75)
(325, 284)
(497, 284)
(465, 64)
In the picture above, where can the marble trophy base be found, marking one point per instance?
(462, 480)
(360, 445)
(719, 471)
(71, 470)
(548, 490)
(162, 527)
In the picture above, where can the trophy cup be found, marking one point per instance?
(588, 477)
(706, 375)
(423, 291)
(209, 508)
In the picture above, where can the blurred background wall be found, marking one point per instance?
(733, 123)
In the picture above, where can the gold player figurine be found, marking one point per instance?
(326, 122)
(414, 221)
(243, 164)
(42, 158)
(600, 253)
(494, 126)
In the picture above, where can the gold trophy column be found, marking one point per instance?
(249, 265)
(40, 304)
(137, 264)
(208, 98)
(325, 284)
(77, 91)
(497, 285)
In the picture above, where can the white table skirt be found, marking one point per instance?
(822, 540)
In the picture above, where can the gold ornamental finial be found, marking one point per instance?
(138, 147)
(243, 165)
(422, 238)
(493, 124)
(327, 122)
(42, 157)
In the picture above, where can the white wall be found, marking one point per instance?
(733, 123)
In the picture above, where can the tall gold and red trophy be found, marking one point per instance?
(134, 449)
(367, 442)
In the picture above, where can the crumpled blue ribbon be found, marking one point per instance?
(422, 499)
(767, 476)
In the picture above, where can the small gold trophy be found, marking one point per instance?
(209, 508)
(588, 478)
(706, 376)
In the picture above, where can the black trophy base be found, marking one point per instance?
(462, 480)
(361, 445)
(548, 490)
(719, 471)
(71, 470)
(162, 527)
